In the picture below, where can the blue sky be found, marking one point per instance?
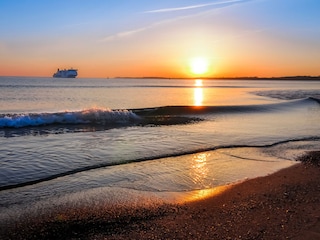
(160, 38)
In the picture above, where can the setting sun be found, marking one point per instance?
(199, 65)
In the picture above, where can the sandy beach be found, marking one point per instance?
(284, 205)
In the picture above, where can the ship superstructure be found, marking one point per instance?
(66, 73)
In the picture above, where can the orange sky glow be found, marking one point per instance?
(237, 38)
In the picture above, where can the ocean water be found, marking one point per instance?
(114, 140)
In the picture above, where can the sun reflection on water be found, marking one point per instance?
(199, 167)
(199, 173)
(198, 83)
(198, 92)
(205, 193)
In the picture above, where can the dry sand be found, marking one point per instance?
(284, 205)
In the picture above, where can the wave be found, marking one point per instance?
(198, 110)
(290, 94)
(110, 164)
(103, 119)
(89, 116)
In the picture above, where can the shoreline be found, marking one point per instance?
(281, 205)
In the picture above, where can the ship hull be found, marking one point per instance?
(70, 73)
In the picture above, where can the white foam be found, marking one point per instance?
(88, 116)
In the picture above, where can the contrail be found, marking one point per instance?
(192, 6)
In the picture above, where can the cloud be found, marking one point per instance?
(129, 33)
(194, 6)
(125, 34)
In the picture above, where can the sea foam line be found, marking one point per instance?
(151, 158)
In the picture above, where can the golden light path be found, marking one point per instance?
(199, 172)
(198, 93)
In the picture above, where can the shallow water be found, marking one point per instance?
(67, 137)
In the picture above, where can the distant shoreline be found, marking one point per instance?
(289, 78)
(282, 78)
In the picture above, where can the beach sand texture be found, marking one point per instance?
(284, 205)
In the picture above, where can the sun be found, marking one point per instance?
(199, 65)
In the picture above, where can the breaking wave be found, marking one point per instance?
(89, 116)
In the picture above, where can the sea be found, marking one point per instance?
(67, 142)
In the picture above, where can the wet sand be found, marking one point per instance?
(284, 205)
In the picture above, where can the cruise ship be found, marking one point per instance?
(70, 73)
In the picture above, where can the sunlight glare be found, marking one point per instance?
(198, 83)
(199, 65)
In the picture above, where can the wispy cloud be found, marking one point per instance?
(129, 33)
(124, 34)
(193, 6)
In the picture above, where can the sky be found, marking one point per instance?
(167, 38)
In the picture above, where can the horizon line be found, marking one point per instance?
(288, 77)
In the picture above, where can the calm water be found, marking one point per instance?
(71, 138)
